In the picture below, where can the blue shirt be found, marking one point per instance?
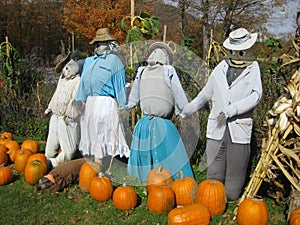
(103, 76)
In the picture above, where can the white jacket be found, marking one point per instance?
(237, 101)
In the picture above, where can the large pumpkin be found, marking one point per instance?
(101, 188)
(295, 216)
(125, 197)
(5, 175)
(34, 171)
(212, 194)
(32, 145)
(87, 172)
(252, 211)
(21, 159)
(159, 177)
(161, 199)
(193, 214)
(38, 156)
(185, 189)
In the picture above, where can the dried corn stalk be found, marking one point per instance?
(281, 150)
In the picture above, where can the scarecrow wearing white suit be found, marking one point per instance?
(64, 127)
(234, 89)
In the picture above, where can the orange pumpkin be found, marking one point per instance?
(161, 200)
(185, 189)
(34, 171)
(32, 145)
(21, 159)
(193, 214)
(159, 177)
(125, 198)
(212, 194)
(3, 157)
(5, 175)
(38, 156)
(252, 211)
(295, 216)
(87, 172)
(11, 144)
(101, 188)
(6, 136)
(3, 148)
(12, 154)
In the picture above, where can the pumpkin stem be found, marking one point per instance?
(181, 174)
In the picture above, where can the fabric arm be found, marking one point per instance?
(119, 83)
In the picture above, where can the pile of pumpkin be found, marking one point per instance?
(25, 158)
(183, 199)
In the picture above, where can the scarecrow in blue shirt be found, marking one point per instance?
(156, 141)
(102, 90)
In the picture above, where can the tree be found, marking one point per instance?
(84, 17)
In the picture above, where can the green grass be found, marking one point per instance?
(22, 205)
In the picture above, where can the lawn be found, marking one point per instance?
(22, 205)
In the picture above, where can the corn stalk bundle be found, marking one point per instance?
(281, 150)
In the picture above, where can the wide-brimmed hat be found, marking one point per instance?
(164, 46)
(240, 39)
(103, 34)
(62, 63)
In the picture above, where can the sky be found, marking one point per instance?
(283, 20)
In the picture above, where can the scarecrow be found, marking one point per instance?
(101, 92)
(156, 140)
(234, 89)
(64, 128)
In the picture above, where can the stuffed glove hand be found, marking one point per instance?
(47, 111)
(221, 117)
(230, 111)
(188, 109)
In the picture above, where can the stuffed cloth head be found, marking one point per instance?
(161, 53)
(70, 70)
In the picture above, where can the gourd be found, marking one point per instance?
(158, 177)
(32, 145)
(212, 194)
(101, 188)
(34, 171)
(5, 175)
(193, 214)
(185, 189)
(161, 199)
(125, 197)
(252, 211)
(87, 172)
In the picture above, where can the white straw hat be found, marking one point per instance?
(240, 39)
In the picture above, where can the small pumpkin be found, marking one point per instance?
(12, 144)
(3, 148)
(12, 154)
(6, 175)
(212, 194)
(125, 197)
(34, 171)
(161, 199)
(295, 216)
(21, 159)
(193, 214)
(6, 136)
(32, 145)
(3, 157)
(159, 177)
(87, 172)
(252, 211)
(185, 189)
(101, 188)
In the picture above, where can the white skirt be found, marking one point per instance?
(102, 133)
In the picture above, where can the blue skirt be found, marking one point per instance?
(157, 142)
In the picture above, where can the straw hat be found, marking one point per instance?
(165, 46)
(240, 39)
(103, 34)
(61, 64)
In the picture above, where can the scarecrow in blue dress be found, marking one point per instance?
(156, 141)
